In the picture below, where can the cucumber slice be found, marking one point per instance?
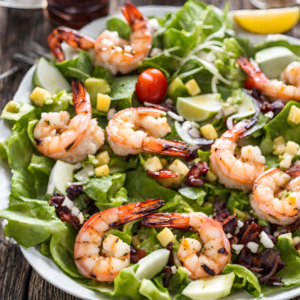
(61, 174)
(152, 264)
(274, 60)
(245, 109)
(212, 288)
(49, 78)
(84, 174)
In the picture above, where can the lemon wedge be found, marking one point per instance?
(266, 21)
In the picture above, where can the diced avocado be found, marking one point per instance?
(209, 132)
(211, 177)
(102, 171)
(177, 89)
(103, 102)
(39, 96)
(152, 264)
(211, 288)
(95, 86)
(192, 87)
(153, 164)
(274, 60)
(103, 158)
(166, 236)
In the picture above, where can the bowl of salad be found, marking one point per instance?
(157, 158)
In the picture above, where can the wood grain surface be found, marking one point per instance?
(18, 281)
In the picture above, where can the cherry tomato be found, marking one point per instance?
(151, 86)
(249, 83)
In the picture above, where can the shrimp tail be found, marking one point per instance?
(259, 79)
(72, 37)
(175, 148)
(134, 211)
(174, 220)
(238, 129)
(81, 98)
(133, 16)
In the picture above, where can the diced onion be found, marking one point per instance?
(111, 113)
(265, 240)
(175, 116)
(81, 218)
(68, 203)
(237, 248)
(253, 247)
(75, 211)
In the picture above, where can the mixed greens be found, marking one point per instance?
(196, 49)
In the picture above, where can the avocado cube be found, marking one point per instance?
(177, 89)
(95, 86)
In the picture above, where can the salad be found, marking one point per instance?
(162, 159)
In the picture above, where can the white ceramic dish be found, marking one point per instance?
(45, 266)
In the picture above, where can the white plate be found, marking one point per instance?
(45, 266)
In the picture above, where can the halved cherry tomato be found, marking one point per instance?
(249, 83)
(151, 86)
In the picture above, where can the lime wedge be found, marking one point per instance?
(199, 108)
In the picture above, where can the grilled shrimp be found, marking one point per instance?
(71, 140)
(291, 74)
(135, 130)
(111, 51)
(272, 88)
(276, 196)
(215, 253)
(105, 264)
(236, 171)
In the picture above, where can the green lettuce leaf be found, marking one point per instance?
(153, 291)
(14, 110)
(40, 168)
(244, 279)
(116, 24)
(30, 222)
(141, 187)
(105, 190)
(280, 126)
(122, 89)
(80, 68)
(3, 151)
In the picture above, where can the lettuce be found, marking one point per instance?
(40, 168)
(80, 68)
(142, 187)
(279, 126)
(30, 222)
(122, 89)
(15, 110)
(116, 24)
(107, 191)
(184, 41)
(244, 279)
(119, 164)
(3, 151)
(167, 63)
(193, 193)
(152, 291)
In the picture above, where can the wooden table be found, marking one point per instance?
(18, 281)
